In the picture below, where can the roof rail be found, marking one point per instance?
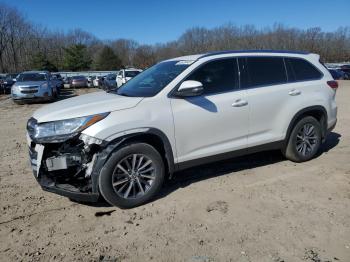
(253, 51)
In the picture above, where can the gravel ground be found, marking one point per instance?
(255, 208)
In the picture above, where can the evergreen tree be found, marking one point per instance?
(76, 58)
(41, 62)
(107, 60)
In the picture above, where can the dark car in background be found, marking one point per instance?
(2, 80)
(109, 82)
(6, 82)
(78, 81)
(57, 78)
(13, 76)
(338, 74)
(346, 70)
(66, 81)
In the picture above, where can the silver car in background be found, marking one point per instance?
(34, 86)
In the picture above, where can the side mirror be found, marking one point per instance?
(190, 88)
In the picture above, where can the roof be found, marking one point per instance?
(199, 56)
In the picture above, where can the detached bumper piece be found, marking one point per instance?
(67, 169)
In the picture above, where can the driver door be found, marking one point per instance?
(215, 122)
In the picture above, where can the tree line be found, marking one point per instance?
(26, 46)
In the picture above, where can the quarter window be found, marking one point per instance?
(217, 76)
(262, 71)
(301, 70)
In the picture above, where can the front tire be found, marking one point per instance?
(304, 140)
(132, 175)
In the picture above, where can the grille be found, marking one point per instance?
(30, 91)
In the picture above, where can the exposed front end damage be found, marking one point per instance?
(69, 168)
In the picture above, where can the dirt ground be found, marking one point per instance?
(255, 208)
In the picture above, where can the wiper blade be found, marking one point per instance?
(122, 94)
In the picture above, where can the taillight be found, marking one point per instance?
(333, 84)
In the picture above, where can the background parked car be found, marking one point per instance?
(346, 70)
(337, 74)
(2, 79)
(78, 81)
(90, 80)
(109, 82)
(13, 76)
(34, 85)
(58, 81)
(124, 75)
(97, 82)
(7, 83)
(66, 81)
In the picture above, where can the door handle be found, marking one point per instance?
(294, 92)
(239, 103)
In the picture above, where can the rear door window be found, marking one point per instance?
(301, 70)
(217, 76)
(262, 71)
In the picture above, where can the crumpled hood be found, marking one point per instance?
(84, 105)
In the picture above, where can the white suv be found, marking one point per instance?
(124, 75)
(179, 113)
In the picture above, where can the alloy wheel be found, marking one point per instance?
(306, 139)
(133, 176)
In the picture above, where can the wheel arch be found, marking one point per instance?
(152, 136)
(318, 112)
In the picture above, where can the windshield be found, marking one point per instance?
(32, 77)
(131, 73)
(153, 80)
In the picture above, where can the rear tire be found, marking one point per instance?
(132, 175)
(304, 140)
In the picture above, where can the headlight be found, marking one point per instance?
(44, 85)
(60, 131)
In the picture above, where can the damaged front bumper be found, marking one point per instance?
(70, 168)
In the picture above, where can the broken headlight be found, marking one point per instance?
(60, 131)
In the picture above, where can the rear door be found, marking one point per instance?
(265, 79)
